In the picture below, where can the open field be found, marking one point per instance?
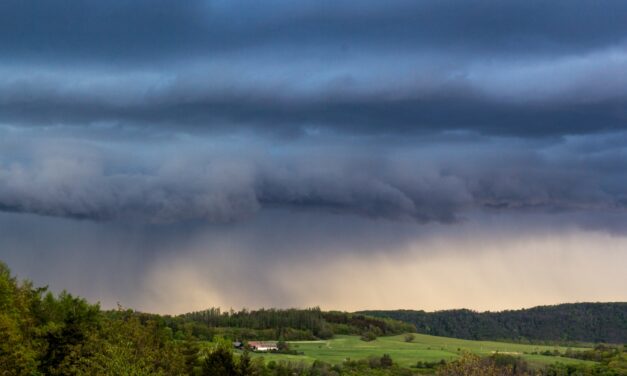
(422, 348)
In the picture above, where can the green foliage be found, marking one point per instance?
(43, 334)
(612, 360)
(350, 323)
(127, 345)
(282, 345)
(190, 351)
(386, 361)
(245, 364)
(220, 361)
(307, 322)
(368, 336)
(373, 365)
(290, 324)
(495, 365)
(70, 324)
(580, 322)
(473, 365)
(18, 345)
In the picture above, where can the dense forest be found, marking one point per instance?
(290, 324)
(578, 322)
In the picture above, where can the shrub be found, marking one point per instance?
(368, 336)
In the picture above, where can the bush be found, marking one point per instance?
(368, 336)
(386, 361)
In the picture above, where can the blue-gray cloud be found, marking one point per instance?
(218, 179)
(159, 147)
(143, 30)
(527, 69)
(534, 93)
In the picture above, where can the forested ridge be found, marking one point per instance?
(576, 322)
(289, 324)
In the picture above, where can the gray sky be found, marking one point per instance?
(150, 152)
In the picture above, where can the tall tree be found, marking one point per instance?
(219, 362)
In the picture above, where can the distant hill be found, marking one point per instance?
(577, 322)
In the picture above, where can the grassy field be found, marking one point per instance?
(422, 348)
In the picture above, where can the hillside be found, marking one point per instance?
(423, 348)
(577, 322)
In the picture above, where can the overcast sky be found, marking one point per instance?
(173, 156)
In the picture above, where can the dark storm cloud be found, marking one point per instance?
(528, 69)
(147, 29)
(102, 85)
(546, 98)
(374, 116)
(152, 149)
(187, 182)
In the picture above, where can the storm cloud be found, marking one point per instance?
(174, 181)
(145, 29)
(214, 134)
(527, 69)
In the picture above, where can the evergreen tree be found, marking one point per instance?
(219, 362)
(190, 353)
(245, 365)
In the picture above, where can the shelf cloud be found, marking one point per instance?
(333, 129)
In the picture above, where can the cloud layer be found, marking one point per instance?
(179, 181)
(521, 69)
(209, 135)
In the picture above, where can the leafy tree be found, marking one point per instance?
(245, 365)
(472, 365)
(386, 361)
(368, 336)
(190, 352)
(19, 348)
(282, 346)
(219, 362)
(72, 322)
(128, 346)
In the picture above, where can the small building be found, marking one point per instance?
(263, 346)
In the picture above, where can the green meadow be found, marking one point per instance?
(423, 348)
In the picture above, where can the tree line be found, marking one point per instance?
(564, 323)
(290, 324)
